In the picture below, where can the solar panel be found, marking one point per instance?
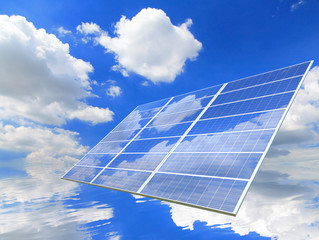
(201, 149)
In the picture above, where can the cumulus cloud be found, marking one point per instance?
(27, 139)
(88, 28)
(40, 80)
(114, 91)
(148, 44)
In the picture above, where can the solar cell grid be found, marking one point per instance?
(202, 148)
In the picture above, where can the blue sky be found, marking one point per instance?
(71, 71)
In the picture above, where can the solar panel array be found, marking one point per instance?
(201, 149)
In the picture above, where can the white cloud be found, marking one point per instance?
(93, 114)
(114, 91)
(304, 111)
(302, 121)
(27, 139)
(148, 44)
(62, 31)
(88, 28)
(39, 78)
(296, 5)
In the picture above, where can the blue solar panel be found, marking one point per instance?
(200, 149)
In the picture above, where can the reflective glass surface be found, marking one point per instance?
(131, 125)
(98, 160)
(151, 145)
(82, 174)
(258, 91)
(251, 121)
(121, 135)
(185, 105)
(197, 94)
(219, 194)
(287, 72)
(136, 114)
(248, 106)
(233, 165)
(151, 105)
(185, 116)
(165, 150)
(249, 141)
(137, 161)
(121, 179)
(164, 131)
(109, 147)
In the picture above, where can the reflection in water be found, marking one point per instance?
(39, 205)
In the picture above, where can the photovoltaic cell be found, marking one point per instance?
(201, 148)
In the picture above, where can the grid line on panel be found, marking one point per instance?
(193, 109)
(270, 141)
(259, 74)
(150, 103)
(239, 131)
(240, 114)
(129, 169)
(197, 134)
(204, 176)
(174, 152)
(247, 99)
(202, 89)
(200, 120)
(148, 110)
(229, 190)
(165, 116)
(171, 173)
(260, 84)
(181, 139)
(81, 165)
(130, 141)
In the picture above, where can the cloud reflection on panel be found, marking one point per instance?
(186, 109)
